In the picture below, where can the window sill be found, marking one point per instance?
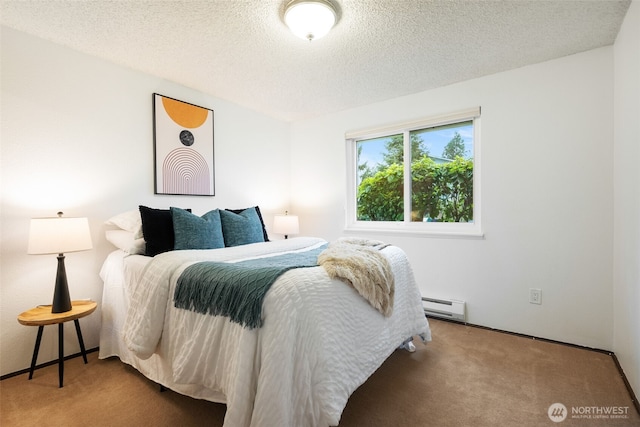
(418, 230)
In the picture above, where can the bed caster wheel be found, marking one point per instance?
(408, 345)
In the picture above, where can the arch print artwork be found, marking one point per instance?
(183, 148)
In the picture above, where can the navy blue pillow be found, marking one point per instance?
(241, 228)
(194, 232)
(157, 229)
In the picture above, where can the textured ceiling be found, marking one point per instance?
(241, 51)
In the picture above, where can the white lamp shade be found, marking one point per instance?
(286, 224)
(59, 235)
(310, 19)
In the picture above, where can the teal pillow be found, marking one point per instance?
(194, 232)
(257, 208)
(241, 228)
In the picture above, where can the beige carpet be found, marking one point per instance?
(466, 377)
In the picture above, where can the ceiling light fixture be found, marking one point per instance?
(310, 19)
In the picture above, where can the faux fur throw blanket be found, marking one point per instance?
(359, 263)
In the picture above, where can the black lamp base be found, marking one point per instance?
(61, 298)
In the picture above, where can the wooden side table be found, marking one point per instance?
(41, 316)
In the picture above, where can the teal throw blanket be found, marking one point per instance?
(236, 290)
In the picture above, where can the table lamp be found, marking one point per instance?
(58, 235)
(286, 224)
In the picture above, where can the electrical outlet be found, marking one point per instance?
(535, 296)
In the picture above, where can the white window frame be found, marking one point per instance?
(435, 229)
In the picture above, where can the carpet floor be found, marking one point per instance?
(467, 376)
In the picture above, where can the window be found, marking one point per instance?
(418, 177)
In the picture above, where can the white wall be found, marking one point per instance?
(547, 184)
(626, 261)
(77, 137)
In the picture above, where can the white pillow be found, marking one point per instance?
(123, 239)
(129, 221)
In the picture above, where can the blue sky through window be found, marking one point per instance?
(434, 141)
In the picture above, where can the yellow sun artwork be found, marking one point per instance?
(183, 147)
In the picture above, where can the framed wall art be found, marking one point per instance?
(182, 148)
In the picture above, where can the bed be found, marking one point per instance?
(317, 342)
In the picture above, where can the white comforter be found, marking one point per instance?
(320, 339)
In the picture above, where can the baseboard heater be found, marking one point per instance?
(445, 309)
